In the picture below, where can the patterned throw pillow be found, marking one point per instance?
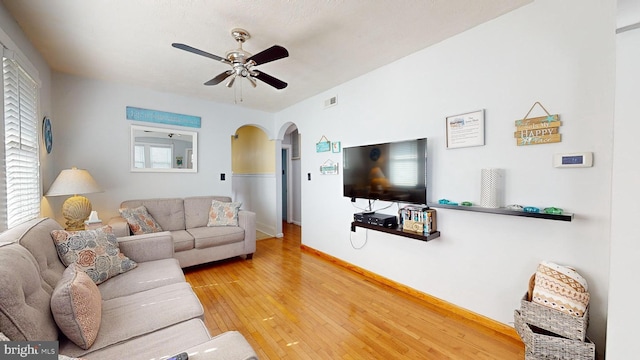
(96, 252)
(76, 306)
(561, 288)
(140, 221)
(223, 213)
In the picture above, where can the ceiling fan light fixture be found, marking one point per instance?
(242, 62)
(231, 81)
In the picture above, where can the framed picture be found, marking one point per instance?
(335, 147)
(465, 130)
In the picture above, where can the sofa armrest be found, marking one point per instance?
(120, 226)
(247, 221)
(147, 247)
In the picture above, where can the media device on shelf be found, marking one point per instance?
(393, 171)
(388, 221)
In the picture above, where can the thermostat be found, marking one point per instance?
(583, 159)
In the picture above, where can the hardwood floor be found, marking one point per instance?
(291, 304)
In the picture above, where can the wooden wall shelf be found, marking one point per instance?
(504, 211)
(396, 231)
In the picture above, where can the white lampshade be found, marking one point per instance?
(73, 181)
(75, 209)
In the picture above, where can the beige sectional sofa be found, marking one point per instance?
(147, 312)
(186, 219)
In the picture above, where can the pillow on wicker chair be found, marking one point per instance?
(560, 288)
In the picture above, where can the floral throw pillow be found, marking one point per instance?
(223, 213)
(96, 252)
(140, 221)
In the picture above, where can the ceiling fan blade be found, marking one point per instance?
(275, 52)
(199, 52)
(276, 83)
(219, 78)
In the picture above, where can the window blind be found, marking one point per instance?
(21, 164)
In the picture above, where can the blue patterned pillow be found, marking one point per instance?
(140, 221)
(96, 252)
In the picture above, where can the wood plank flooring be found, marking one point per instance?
(291, 304)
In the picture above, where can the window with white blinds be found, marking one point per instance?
(21, 198)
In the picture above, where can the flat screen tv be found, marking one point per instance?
(394, 171)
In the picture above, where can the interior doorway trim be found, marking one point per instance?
(287, 148)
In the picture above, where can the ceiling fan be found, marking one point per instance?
(242, 62)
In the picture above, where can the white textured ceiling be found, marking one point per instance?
(329, 42)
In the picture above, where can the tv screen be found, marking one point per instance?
(394, 171)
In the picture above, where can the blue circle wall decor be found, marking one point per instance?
(47, 135)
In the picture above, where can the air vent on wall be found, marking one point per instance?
(332, 101)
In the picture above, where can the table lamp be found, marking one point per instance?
(75, 209)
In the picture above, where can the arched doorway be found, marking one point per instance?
(289, 169)
(261, 165)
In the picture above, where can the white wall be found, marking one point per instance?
(625, 196)
(559, 53)
(257, 192)
(91, 132)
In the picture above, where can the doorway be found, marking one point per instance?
(290, 173)
(286, 183)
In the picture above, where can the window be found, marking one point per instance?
(21, 196)
(155, 156)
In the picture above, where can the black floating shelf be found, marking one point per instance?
(505, 211)
(396, 231)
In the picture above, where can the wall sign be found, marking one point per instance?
(465, 130)
(323, 145)
(329, 168)
(162, 117)
(538, 130)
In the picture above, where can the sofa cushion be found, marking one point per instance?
(77, 307)
(146, 276)
(142, 313)
(169, 213)
(182, 240)
(25, 312)
(140, 221)
(213, 236)
(96, 252)
(156, 345)
(196, 210)
(223, 213)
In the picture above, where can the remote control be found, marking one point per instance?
(181, 356)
